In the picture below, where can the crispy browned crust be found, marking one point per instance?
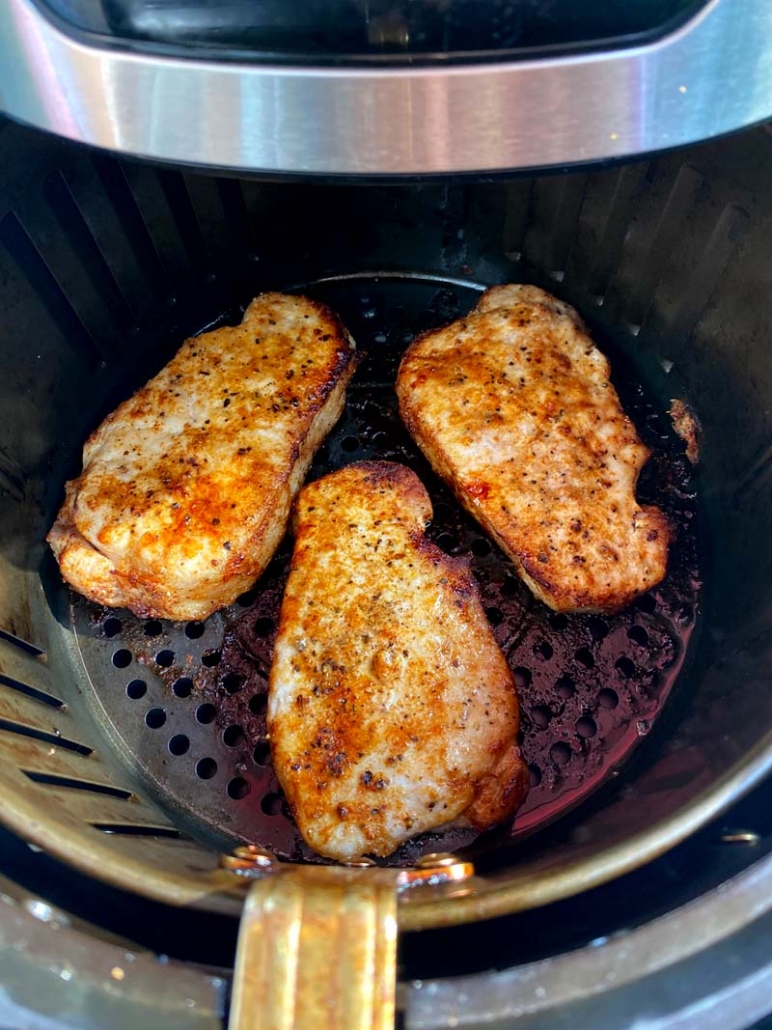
(687, 426)
(187, 486)
(391, 708)
(513, 407)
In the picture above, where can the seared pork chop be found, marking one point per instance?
(186, 488)
(513, 407)
(391, 709)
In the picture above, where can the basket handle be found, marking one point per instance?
(317, 950)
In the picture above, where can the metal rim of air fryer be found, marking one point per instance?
(725, 929)
(419, 909)
(555, 111)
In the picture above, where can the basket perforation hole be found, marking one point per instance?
(626, 666)
(136, 689)
(153, 628)
(165, 658)
(481, 547)
(237, 788)
(541, 716)
(271, 804)
(206, 768)
(586, 727)
(598, 627)
(447, 542)
(560, 753)
(543, 650)
(122, 658)
(350, 444)
(495, 616)
(608, 698)
(183, 686)
(264, 627)
(211, 658)
(638, 635)
(155, 718)
(262, 753)
(233, 736)
(646, 603)
(522, 676)
(232, 682)
(585, 657)
(179, 744)
(558, 621)
(565, 687)
(258, 704)
(112, 627)
(194, 630)
(534, 774)
(205, 713)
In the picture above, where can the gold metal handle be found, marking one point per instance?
(317, 950)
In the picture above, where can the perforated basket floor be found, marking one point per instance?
(186, 702)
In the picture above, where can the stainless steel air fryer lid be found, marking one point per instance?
(376, 88)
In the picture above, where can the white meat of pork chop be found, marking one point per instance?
(186, 488)
(513, 407)
(391, 709)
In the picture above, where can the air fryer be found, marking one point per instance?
(135, 753)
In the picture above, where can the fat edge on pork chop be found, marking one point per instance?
(514, 408)
(391, 709)
(187, 486)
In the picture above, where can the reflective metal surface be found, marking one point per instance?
(317, 951)
(58, 972)
(712, 76)
(703, 966)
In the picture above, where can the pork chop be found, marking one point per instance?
(187, 486)
(391, 709)
(514, 408)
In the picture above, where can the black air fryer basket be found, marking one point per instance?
(135, 750)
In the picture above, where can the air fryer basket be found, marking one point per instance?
(105, 266)
(591, 687)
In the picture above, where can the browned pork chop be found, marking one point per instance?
(513, 406)
(186, 488)
(391, 709)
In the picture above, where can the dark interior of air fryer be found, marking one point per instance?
(107, 265)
